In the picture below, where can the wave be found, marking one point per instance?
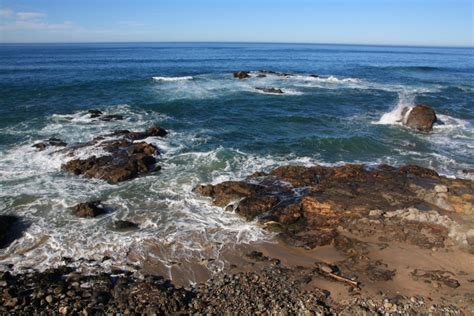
(400, 112)
(173, 78)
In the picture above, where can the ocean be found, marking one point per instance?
(220, 128)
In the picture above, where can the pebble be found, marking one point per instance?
(441, 188)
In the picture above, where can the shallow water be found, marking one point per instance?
(221, 128)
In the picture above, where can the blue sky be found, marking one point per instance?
(391, 22)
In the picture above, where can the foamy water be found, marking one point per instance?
(221, 128)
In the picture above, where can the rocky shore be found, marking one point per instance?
(353, 239)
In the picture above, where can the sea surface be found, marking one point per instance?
(221, 128)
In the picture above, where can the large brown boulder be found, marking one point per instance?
(421, 117)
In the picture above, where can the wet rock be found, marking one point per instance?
(241, 74)
(122, 225)
(270, 90)
(127, 159)
(94, 113)
(307, 204)
(111, 117)
(89, 209)
(50, 142)
(7, 223)
(421, 117)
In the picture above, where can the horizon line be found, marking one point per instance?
(237, 42)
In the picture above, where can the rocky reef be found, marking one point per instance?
(310, 206)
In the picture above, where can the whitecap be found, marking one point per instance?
(173, 78)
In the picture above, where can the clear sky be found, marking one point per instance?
(392, 22)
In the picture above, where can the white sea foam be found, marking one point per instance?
(173, 78)
(401, 110)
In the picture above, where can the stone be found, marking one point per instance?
(441, 188)
(241, 74)
(421, 117)
(89, 209)
(270, 90)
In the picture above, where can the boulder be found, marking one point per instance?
(270, 90)
(241, 74)
(89, 209)
(421, 117)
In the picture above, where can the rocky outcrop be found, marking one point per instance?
(89, 209)
(241, 74)
(125, 160)
(421, 117)
(309, 205)
(270, 90)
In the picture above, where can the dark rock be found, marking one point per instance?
(89, 209)
(51, 142)
(314, 76)
(421, 117)
(270, 90)
(111, 117)
(94, 113)
(127, 159)
(124, 225)
(241, 74)
(6, 227)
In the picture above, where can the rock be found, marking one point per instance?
(94, 113)
(314, 76)
(441, 188)
(51, 142)
(421, 117)
(309, 206)
(127, 159)
(241, 74)
(89, 209)
(376, 213)
(111, 117)
(124, 225)
(270, 90)
(6, 226)
(49, 299)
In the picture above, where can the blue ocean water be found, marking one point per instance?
(221, 128)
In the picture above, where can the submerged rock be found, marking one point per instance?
(270, 90)
(89, 209)
(111, 117)
(121, 225)
(241, 74)
(50, 142)
(421, 117)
